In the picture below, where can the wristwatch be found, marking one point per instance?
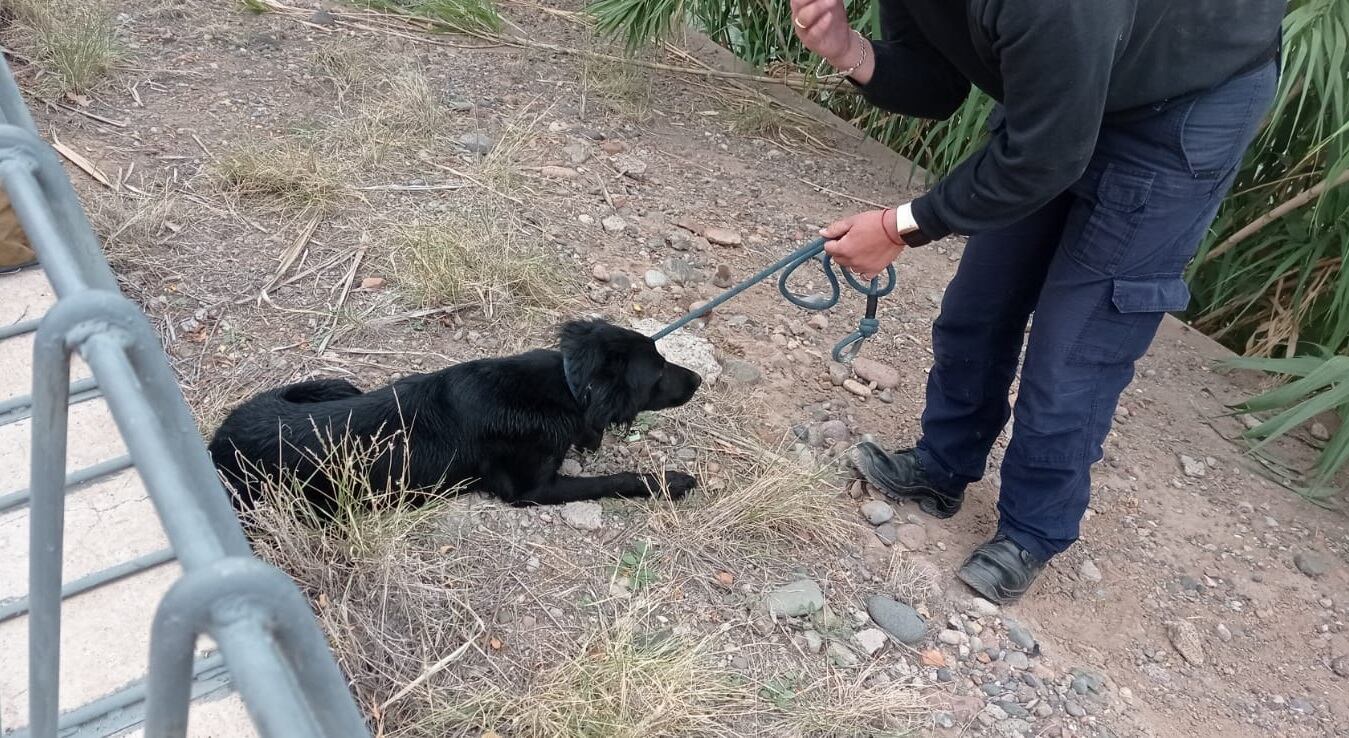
(907, 227)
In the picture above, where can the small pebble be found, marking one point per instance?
(655, 279)
(877, 512)
(857, 388)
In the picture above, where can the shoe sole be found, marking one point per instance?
(16, 268)
(929, 500)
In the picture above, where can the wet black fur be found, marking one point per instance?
(501, 425)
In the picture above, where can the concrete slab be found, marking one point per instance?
(16, 361)
(105, 632)
(92, 435)
(24, 296)
(105, 642)
(213, 717)
(107, 522)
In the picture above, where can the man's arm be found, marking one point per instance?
(909, 76)
(1055, 57)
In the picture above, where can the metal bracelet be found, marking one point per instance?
(861, 59)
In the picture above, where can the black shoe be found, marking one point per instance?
(900, 476)
(16, 268)
(1000, 570)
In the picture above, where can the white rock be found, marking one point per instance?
(1193, 467)
(613, 223)
(685, 349)
(584, 515)
(655, 279)
(872, 640)
(952, 637)
(983, 608)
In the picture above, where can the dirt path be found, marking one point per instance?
(617, 174)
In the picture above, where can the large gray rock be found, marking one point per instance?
(795, 599)
(1310, 564)
(898, 619)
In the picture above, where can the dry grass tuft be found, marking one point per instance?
(347, 65)
(499, 167)
(768, 503)
(396, 109)
(411, 104)
(629, 678)
(453, 16)
(476, 258)
(911, 582)
(129, 228)
(761, 119)
(626, 89)
(847, 705)
(390, 597)
(75, 43)
(283, 174)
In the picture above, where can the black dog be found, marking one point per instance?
(500, 425)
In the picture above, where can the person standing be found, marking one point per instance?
(1119, 129)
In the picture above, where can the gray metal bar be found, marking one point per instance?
(51, 377)
(18, 328)
(50, 213)
(10, 404)
(274, 649)
(14, 409)
(73, 480)
(241, 601)
(150, 412)
(12, 110)
(131, 567)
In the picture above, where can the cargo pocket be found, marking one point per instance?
(1122, 326)
(1116, 208)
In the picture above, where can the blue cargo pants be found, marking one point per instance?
(1099, 266)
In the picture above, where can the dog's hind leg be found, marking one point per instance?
(318, 390)
(561, 490)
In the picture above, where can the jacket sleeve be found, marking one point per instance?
(1055, 57)
(911, 78)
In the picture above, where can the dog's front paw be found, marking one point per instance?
(679, 484)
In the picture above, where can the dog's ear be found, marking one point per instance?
(581, 361)
(601, 374)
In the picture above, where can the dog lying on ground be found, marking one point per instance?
(501, 426)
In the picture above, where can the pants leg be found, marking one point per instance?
(976, 342)
(1138, 215)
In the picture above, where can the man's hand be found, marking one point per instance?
(861, 243)
(822, 25)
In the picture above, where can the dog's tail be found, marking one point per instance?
(317, 390)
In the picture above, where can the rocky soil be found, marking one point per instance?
(1202, 600)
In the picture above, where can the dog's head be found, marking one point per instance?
(617, 373)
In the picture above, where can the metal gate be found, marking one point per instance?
(271, 645)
